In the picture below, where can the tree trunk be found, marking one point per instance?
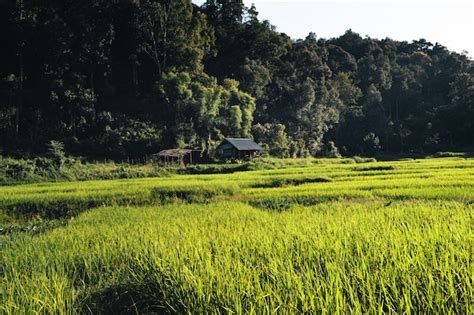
(92, 84)
(155, 55)
(21, 75)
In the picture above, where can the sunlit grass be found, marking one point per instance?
(372, 239)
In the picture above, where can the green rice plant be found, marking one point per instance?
(229, 257)
(291, 237)
(326, 181)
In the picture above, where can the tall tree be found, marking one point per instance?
(174, 35)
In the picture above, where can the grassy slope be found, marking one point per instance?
(389, 236)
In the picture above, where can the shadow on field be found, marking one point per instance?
(123, 300)
(67, 206)
(283, 203)
(375, 168)
(166, 195)
(283, 182)
(51, 209)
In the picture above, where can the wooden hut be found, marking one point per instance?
(180, 157)
(238, 148)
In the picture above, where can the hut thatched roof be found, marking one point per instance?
(174, 152)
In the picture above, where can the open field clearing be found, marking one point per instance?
(315, 236)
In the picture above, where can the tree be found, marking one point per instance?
(225, 12)
(195, 111)
(233, 98)
(235, 121)
(274, 137)
(56, 152)
(372, 143)
(173, 35)
(331, 151)
(124, 78)
(457, 118)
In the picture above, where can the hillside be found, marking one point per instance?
(121, 79)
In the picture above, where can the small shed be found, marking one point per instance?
(238, 148)
(175, 156)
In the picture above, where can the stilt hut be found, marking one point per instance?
(180, 157)
(238, 148)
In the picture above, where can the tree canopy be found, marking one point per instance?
(124, 78)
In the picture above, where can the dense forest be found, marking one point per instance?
(125, 78)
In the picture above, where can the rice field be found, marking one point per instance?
(307, 236)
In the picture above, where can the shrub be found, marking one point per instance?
(448, 154)
(331, 151)
(43, 169)
(372, 143)
(12, 170)
(56, 152)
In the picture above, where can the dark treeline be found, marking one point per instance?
(124, 78)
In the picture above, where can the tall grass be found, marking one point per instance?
(229, 257)
(377, 237)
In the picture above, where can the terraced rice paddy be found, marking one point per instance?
(315, 236)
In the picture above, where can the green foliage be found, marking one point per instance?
(129, 78)
(274, 136)
(120, 137)
(173, 35)
(241, 109)
(42, 169)
(56, 152)
(372, 143)
(235, 121)
(11, 169)
(331, 151)
(449, 154)
(196, 112)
